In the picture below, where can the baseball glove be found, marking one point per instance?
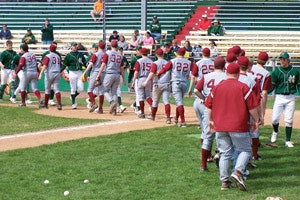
(83, 78)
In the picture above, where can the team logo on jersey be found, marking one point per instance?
(291, 79)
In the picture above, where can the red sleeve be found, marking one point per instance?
(251, 101)
(166, 68)
(46, 61)
(194, 69)
(104, 58)
(200, 84)
(267, 84)
(21, 64)
(256, 90)
(136, 66)
(93, 59)
(209, 100)
(153, 68)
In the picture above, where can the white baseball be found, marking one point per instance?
(86, 181)
(46, 181)
(66, 193)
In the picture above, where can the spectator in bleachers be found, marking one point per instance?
(47, 32)
(187, 46)
(139, 37)
(155, 28)
(5, 34)
(214, 51)
(114, 36)
(29, 38)
(216, 29)
(98, 10)
(133, 43)
(197, 50)
(205, 23)
(122, 43)
(174, 47)
(148, 39)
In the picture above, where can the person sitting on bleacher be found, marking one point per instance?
(148, 40)
(114, 36)
(29, 38)
(155, 28)
(98, 10)
(122, 43)
(5, 34)
(133, 43)
(139, 37)
(174, 47)
(216, 29)
(197, 50)
(204, 24)
(187, 46)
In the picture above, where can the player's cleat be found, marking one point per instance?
(142, 116)
(22, 105)
(257, 158)
(203, 169)
(113, 107)
(13, 100)
(100, 111)
(175, 121)
(168, 121)
(93, 107)
(74, 106)
(150, 117)
(226, 185)
(250, 164)
(51, 102)
(59, 107)
(217, 158)
(210, 159)
(274, 137)
(28, 101)
(88, 103)
(122, 108)
(239, 180)
(289, 144)
(42, 105)
(182, 125)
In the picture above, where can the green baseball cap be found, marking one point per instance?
(120, 48)
(284, 55)
(73, 43)
(94, 46)
(138, 48)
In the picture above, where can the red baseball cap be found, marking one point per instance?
(231, 57)
(206, 51)
(243, 60)
(114, 43)
(219, 62)
(144, 51)
(101, 45)
(236, 49)
(159, 52)
(52, 47)
(243, 53)
(263, 56)
(181, 51)
(233, 68)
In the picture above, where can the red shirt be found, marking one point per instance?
(230, 102)
(204, 24)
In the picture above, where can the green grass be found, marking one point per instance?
(18, 120)
(154, 164)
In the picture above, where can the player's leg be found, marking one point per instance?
(288, 119)
(148, 93)
(55, 84)
(178, 96)
(141, 98)
(137, 103)
(114, 88)
(51, 97)
(33, 77)
(122, 108)
(91, 87)
(276, 112)
(12, 84)
(48, 83)
(156, 93)
(23, 86)
(4, 76)
(166, 94)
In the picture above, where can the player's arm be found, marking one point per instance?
(122, 72)
(45, 66)
(151, 75)
(199, 88)
(91, 63)
(136, 72)
(21, 64)
(194, 73)
(166, 68)
(103, 65)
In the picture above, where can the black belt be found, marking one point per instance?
(286, 93)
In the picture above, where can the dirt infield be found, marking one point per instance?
(122, 122)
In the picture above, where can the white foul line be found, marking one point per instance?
(66, 129)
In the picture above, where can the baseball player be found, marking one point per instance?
(113, 63)
(142, 70)
(264, 78)
(7, 69)
(94, 65)
(28, 65)
(161, 86)
(202, 90)
(285, 81)
(51, 97)
(52, 67)
(126, 65)
(75, 61)
(180, 71)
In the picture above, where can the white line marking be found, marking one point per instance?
(67, 129)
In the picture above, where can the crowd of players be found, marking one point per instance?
(227, 92)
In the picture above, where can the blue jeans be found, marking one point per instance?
(47, 41)
(156, 35)
(228, 142)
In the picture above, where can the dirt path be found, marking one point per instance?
(122, 122)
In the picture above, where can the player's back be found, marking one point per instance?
(97, 64)
(164, 78)
(245, 78)
(205, 66)
(261, 74)
(54, 63)
(30, 62)
(113, 65)
(211, 80)
(180, 70)
(145, 66)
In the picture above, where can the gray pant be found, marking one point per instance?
(227, 143)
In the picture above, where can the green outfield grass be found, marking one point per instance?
(160, 163)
